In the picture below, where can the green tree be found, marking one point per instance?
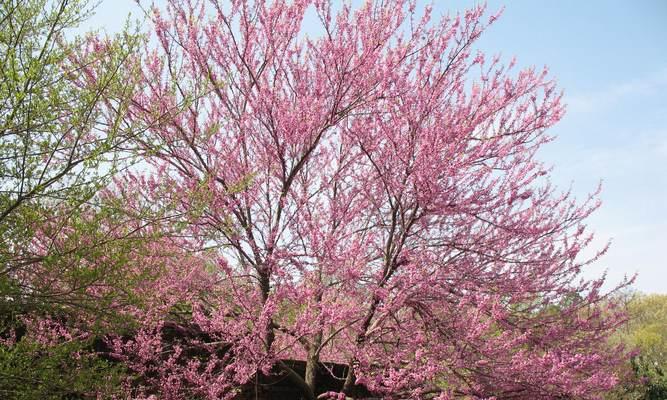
(646, 332)
(63, 101)
(61, 107)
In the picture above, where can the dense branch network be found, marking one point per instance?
(367, 195)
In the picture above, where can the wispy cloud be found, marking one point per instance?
(640, 153)
(594, 101)
(661, 148)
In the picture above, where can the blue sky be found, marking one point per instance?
(610, 58)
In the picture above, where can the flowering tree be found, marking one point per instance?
(372, 198)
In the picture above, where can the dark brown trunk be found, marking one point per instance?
(312, 363)
(349, 379)
(265, 287)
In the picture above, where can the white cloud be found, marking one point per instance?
(594, 101)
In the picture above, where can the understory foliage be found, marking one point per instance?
(325, 184)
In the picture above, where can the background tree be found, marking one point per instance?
(646, 333)
(61, 107)
(373, 198)
(62, 101)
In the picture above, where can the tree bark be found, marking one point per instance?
(313, 360)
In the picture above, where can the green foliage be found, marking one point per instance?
(66, 370)
(647, 333)
(61, 107)
(62, 134)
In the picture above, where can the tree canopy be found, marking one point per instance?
(365, 200)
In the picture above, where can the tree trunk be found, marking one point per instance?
(313, 360)
(349, 379)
